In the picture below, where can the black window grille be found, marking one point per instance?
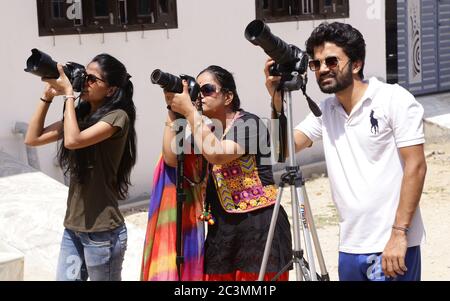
(295, 10)
(62, 17)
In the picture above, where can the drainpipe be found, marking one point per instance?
(32, 156)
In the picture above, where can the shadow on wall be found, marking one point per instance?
(9, 166)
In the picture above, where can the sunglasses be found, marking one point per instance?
(91, 79)
(331, 62)
(209, 90)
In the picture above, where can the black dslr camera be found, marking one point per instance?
(290, 60)
(291, 63)
(172, 83)
(41, 64)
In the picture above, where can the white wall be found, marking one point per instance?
(209, 32)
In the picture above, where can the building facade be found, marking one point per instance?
(180, 37)
(418, 45)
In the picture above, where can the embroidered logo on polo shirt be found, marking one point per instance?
(374, 122)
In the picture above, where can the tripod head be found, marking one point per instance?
(296, 82)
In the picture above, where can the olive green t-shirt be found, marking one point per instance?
(92, 206)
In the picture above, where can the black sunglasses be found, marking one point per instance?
(91, 79)
(209, 90)
(331, 62)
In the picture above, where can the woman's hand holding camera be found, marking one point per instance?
(272, 83)
(180, 102)
(49, 93)
(59, 86)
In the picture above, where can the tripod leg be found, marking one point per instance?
(273, 223)
(298, 252)
(294, 178)
(306, 232)
(315, 237)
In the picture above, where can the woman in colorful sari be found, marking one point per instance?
(240, 193)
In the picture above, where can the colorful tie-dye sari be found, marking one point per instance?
(159, 258)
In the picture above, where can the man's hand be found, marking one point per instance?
(415, 168)
(272, 83)
(393, 257)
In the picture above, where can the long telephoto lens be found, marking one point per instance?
(258, 33)
(167, 81)
(42, 65)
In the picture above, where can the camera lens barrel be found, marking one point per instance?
(258, 33)
(167, 81)
(42, 65)
(172, 83)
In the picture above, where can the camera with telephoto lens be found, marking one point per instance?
(172, 83)
(288, 58)
(291, 63)
(42, 65)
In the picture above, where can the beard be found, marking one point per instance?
(336, 82)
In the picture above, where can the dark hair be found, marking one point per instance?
(226, 80)
(77, 161)
(344, 36)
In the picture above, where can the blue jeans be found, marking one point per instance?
(367, 267)
(96, 255)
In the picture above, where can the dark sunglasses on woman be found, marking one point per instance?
(91, 79)
(209, 90)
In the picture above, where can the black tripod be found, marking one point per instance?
(180, 191)
(172, 83)
(181, 194)
(301, 210)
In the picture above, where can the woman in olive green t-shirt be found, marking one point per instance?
(98, 150)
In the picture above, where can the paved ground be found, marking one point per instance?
(32, 207)
(435, 201)
(435, 208)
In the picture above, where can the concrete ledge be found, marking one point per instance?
(436, 117)
(10, 166)
(11, 263)
(32, 208)
(434, 133)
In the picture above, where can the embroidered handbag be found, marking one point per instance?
(239, 187)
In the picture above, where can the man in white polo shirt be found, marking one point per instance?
(373, 140)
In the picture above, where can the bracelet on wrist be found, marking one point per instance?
(66, 97)
(171, 125)
(45, 100)
(404, 229)
(274, 111)
(198, 124)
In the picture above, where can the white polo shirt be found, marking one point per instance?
(364, 165)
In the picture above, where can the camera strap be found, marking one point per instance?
(281, 144)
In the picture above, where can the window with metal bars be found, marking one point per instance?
(63, 17)
(294, 10)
